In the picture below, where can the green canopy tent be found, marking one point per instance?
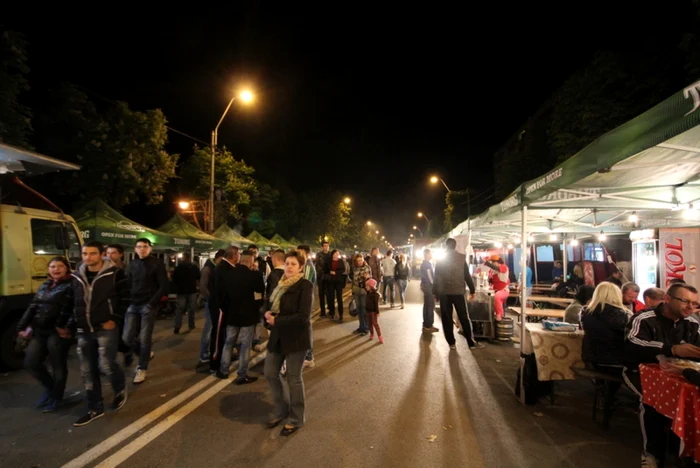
(200, 240)
(232, 237)
(294, 242)
(99, 221)
(279, 240)
(643, 174)
(262, 242)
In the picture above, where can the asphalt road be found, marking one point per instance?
(410, 402)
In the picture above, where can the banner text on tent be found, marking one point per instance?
(552, 176)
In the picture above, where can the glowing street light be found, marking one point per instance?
(369, 223)
(184, 205)
(347, 200)
(247, 97)
(436, 179)
(421, 215)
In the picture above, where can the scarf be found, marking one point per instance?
(282, 287)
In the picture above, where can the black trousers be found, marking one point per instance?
(323, 286)
(655, 426)
(460, 304)
(217, 338)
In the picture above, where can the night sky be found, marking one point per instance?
(365, 101)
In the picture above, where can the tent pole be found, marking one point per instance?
(523, 301)
(564, 256)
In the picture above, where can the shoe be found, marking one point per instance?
(140, 376)
(273, 423)
(245, 380)
(176, 331)
(190, 328)
(649, 461)
(477, 345)
(357, 331)
(119, 400)
(44, 400)
(402, 306)
(153, 354)
(288, 430)
(202, 363)
(88, 418)
(221, 375)
(371, 336)
(393, 305)
(50, 406)
(310, 363)
(364, 333)
(381, 340)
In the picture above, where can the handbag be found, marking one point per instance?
(352, 307)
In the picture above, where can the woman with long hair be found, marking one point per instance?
(289, 320)
(47, 322)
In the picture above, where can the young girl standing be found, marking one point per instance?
(373, 309)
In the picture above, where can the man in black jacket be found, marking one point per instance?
(240, 298)
(219, 318)
(670, 331)
(101, 293)
(149, 282)
(206, 283)
(185, 279)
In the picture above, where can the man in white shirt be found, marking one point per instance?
(388, 267)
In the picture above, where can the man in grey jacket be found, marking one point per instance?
(451, 278)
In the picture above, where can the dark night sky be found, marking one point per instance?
(365, 101)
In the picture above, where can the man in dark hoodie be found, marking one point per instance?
(149, 282)
(101, 298)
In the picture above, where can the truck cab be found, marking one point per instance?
(33, 230)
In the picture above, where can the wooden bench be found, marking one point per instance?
(605, 388)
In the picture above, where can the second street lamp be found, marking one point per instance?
(247, 97)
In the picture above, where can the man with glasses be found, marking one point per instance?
(669, 330)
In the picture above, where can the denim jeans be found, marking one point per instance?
(206, 335)
(245, 336)
(185, 302)
(388, 282)
(140, 320)
(428, 306)
(98, 351)
(49, 344)
(295, 407)
(310, 352)
(361, 301)
(401, 284)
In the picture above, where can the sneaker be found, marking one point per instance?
(477, 345)
(119, 400)
(176, 331)
(88, 418)
(140, 376)
(50, 406)
(310, 363)
(371, 336)
(381, 340)
(221, 375)
(649, 461)
(433, 329)
(44, 400)
(202, 363)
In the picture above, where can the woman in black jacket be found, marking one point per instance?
(47, 321)
(289, 319)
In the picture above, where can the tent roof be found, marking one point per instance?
(228, 234)
(258, 238)
(177, 225)
(101, 222)
(279, 240)
(294, 241)
(20, 160)
(649, 166)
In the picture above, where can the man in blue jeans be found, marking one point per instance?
(149, 282)
(96, 320)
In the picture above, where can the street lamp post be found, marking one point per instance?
(245, 96)
(435, 179)
(417, 229)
